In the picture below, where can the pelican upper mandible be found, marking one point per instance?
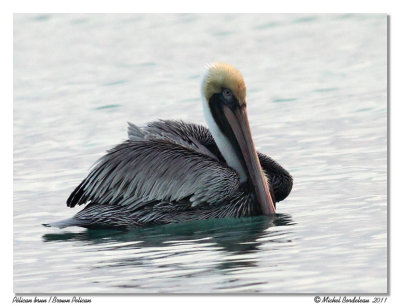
(171, 171)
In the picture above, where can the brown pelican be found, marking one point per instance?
(171, 171)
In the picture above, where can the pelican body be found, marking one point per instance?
(171, 171)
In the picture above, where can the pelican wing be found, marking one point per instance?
(153, 168)
(189, 135)
(199, 138)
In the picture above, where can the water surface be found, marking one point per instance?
(317, 104)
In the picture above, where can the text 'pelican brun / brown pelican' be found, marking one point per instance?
(171, 171)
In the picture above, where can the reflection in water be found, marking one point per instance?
(237, 239)
(233, 235)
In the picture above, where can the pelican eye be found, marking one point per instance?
(227, 93)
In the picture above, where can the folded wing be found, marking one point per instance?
(156, 168)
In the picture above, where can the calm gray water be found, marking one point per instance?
(317, 104)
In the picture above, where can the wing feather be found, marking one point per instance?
(156, 169)
(189, 135)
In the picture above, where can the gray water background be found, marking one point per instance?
(317, 103)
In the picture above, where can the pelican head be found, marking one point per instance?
(224, 106)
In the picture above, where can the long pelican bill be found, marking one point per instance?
(238, 121)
